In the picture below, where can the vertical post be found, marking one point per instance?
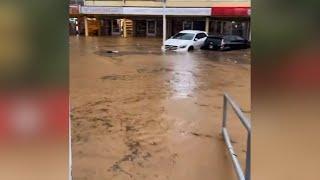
(248, 158)
(224, 116)
(249, 29)
(207, 24)
(164, 23)
(86, 29)
(70, 150)
(124, 28)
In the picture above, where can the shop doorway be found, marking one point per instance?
(93, 26)
(116, 27)
(151, 28)
(140, 28)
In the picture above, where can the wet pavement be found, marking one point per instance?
(143, 114)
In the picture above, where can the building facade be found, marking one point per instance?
(144, 18)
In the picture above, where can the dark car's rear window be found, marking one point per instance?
(215, 40)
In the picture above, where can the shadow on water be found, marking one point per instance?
(116, 53)
(237, 56)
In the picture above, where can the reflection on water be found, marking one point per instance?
(183, 82)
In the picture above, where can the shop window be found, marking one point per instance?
(237, 28)
(151, 27)
(216, 27)
(227, 28)
(223, 27)
(187, 25)
(199, 25)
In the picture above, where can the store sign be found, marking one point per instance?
(231, 11)
(146, 11)
(74, 9)
(101, 10)
(168, 11)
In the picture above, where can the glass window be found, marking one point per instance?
(237, 28)
(151, 27)
(201, 35)
(187, 25)
(204, 35)
(227, 27)
(238, 38)
(183, 36)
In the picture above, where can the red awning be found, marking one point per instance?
(231, 11)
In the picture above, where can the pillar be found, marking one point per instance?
(125, 28)
(207, 24)
(86, 29)
(164, 23)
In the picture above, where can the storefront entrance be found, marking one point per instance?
(116, 27)
(140, 28)
(151, 28)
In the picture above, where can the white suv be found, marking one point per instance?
(185, 41)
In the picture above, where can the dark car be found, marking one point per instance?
(227, 42)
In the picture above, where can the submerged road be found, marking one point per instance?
(143, 114)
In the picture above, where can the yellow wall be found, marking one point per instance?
(173, 3)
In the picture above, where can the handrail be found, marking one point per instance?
(246, 123)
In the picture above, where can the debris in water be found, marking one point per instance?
(112, 51)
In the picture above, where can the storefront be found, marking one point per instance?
(231, 21)
(143, 21)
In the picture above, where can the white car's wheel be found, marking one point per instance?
(191, 48)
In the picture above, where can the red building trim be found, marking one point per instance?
(74, 9)
(231, 11)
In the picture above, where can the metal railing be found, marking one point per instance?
(246, 123)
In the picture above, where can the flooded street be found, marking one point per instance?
(146, 115)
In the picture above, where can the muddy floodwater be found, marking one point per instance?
(142, 114)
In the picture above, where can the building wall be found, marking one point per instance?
(171, 3)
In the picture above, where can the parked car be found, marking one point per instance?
(185, 41)
(227, 42)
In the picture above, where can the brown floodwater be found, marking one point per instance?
(140, 114)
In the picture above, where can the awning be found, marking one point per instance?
(231, 11)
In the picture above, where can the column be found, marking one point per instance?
(207, 24)
(125, 28)
(86, 29)
(164, 22)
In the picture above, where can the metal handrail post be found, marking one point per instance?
(225, 107)
(248, 158)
